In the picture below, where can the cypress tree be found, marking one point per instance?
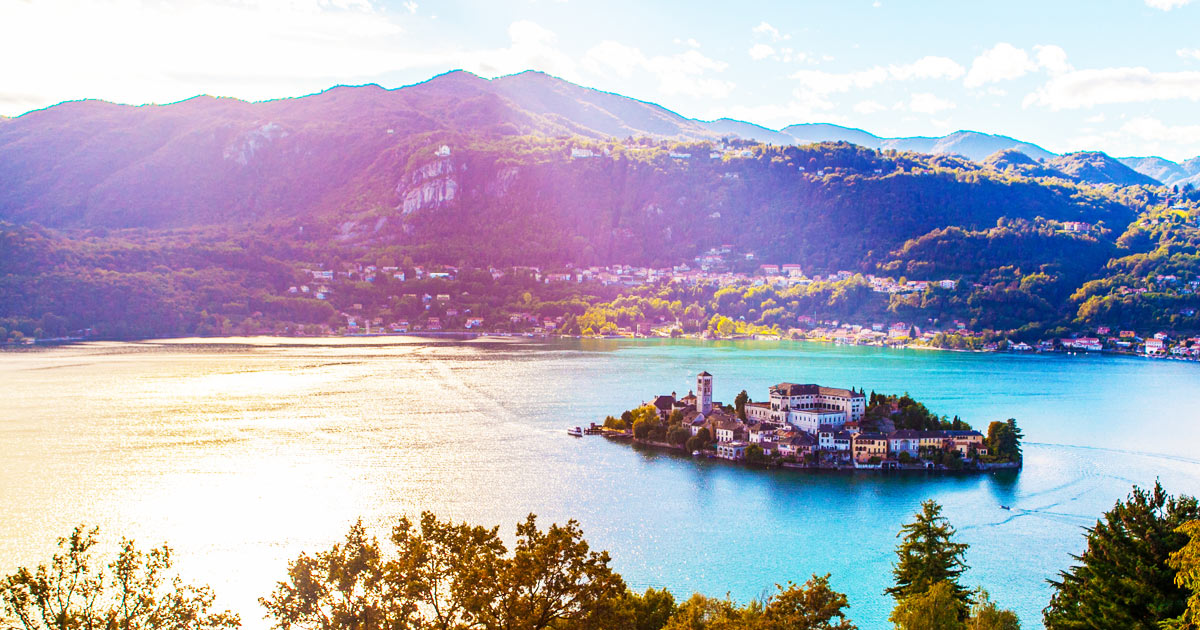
(1122, 579)
(928, 554)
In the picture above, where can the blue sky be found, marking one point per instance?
(1122, 76)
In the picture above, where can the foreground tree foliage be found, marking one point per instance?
(939, 607)
(813, 606)
(1186, 563)
(1123, 579)
(446, 575)
(928, 555)
(133, 592)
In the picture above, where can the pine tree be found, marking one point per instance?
(927, 555)
(1123, 580)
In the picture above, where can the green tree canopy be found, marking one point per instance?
(1122, 579)
(928, 555)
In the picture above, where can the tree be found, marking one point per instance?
(1004, 440)
(928, 555)
(700, 441)
(551, 577)
(813, 606)
(74, 592)
(754, 454)
(444, 566)
(706, 613)
(649, 611)
(1186, 564)
(1122, 579)
(986, 615)
(937, 608)
(344, 587)
(739, 404)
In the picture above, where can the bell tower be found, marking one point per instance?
(704, 383)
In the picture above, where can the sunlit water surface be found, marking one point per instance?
(242, 453)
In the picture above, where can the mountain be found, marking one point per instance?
(1016, 162)
(970, 144)
(1098, 168)
(208, 209)
(1166, 171)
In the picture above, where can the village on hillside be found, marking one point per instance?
(813, 426)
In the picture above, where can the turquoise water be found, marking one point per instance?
(244, 452)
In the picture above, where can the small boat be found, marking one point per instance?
(577, 431)
(695, 453)
(1005, 507)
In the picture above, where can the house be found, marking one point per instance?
(577, 154)
(1076, 226)
(761, 432)
(443, 151)
(434, 323)
(727, 429)
(474, 322)
(769, 270)
(830, 439)
(758, 412)
(797, 446)
(868, 445)
(1155, 346)
(664, 405)
(904, 441)
(732, 450)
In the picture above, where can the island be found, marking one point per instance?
(816, 427)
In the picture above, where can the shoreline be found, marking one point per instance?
(805, 468)
(464, 334)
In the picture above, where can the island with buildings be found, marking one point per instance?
(817, 427)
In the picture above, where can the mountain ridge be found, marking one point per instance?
(570, 108)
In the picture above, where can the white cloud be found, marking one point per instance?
(1087, 88)
(1001, 62)
(682, 73)
(764, 28)
(868, 107)
(1144, 136)
(1052, 58)
(1098, 118)
(140, 51)
(930, 67)
(1193, 53)
(533, 47)
(1153, 129)
(759, 52)
(1167, 5)
(927, 103)
(411, 6)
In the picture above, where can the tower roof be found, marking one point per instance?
(704, 374)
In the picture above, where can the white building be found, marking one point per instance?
(808, 407)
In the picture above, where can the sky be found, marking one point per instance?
(1121, 76)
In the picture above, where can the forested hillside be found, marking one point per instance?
(164, 220)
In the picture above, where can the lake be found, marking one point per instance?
(241, 453)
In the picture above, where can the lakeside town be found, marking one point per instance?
(446, 312)
(816, 427)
